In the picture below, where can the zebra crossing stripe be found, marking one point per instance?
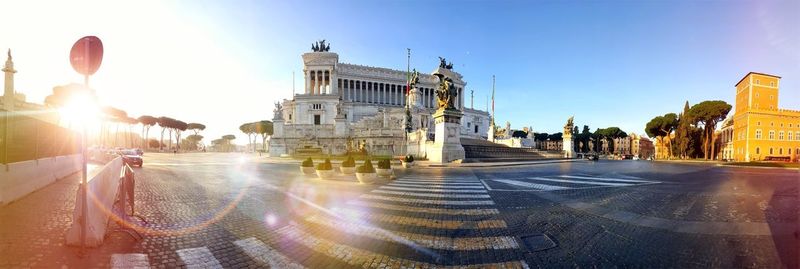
(582, 182)
(609, 179)
(434, 195)
(424, 222)
(428, 241)
(466, 180)
(130, 260)
(427, 201)
(198, 258)
(265, 254)
(359, 257)
(438, 186)
(428, 189)
(439, 182)
(537, 186)
(430, 210)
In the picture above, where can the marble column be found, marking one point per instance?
(308, 81)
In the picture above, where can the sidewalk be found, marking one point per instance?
(33, 228)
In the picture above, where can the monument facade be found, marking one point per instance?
(345, 107)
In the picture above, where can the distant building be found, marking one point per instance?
(761, 130)
(724, 141)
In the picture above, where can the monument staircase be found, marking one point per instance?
(479, 150)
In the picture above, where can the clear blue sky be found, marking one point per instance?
(610, 63)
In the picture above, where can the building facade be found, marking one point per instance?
(724, 141)
(762, 130)
(347, 107)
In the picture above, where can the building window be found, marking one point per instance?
(758, 150)
(789, 137)
(797, 136)
(756, 95)
(476, 129)
(772, 84)
(316, 106)
(757, 82)
(770, 151)
(290, 116)
(771, 135)
(758, 134)
(780, 151)
(771, 97)
(317, 119)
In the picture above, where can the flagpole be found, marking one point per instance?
(408, 90)
(493, 106)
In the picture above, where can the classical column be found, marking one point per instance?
(308, 80)
(334, 82)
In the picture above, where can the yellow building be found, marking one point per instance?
(761, 130)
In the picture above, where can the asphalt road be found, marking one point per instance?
(233, 210)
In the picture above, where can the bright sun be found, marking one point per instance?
(80, 110)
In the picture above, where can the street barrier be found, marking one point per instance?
(21, 178)
(102, 193)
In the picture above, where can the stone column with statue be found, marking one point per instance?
(447, 118)
(569, 149)
(277, 145)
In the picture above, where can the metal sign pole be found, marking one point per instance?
(84, 165)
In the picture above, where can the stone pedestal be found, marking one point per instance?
(569, 147)
(447, 143)
(277, 146)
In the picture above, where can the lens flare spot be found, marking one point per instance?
(270, 219)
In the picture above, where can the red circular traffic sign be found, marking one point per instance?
(86, 55)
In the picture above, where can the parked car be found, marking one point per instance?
(635, 158)
(130, 157)
(592, 157)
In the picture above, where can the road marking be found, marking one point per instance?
(428, 241)
(265, 254)
(198, 258)
(609, 179)
(581, 182)
(403, 184)
(473, 183)
(428, 189)
(360, 258)
(434, 195)
(456, 180)
(537, 186)
(427, 201)
(130, 260)
(422, 222)
(430, 210)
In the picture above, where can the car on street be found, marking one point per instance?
(139, 152)
(592, 157)
(131, 157)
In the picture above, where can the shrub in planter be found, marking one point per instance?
(307, 166)
(348, 166)
(366, 173)
(408, 161)
(325, 169)
(384, 168)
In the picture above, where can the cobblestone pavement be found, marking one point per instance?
(232, 211)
